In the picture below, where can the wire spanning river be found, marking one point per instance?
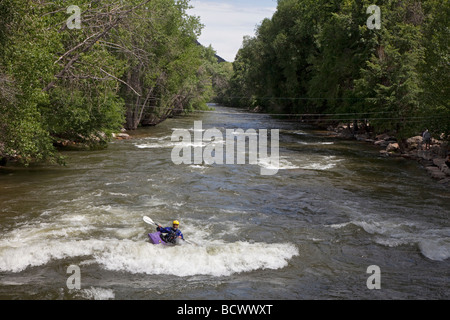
(309, 232)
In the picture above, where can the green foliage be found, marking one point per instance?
(318, 56)
(132, 62)
(435, 67)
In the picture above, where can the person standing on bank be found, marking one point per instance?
(427, 139)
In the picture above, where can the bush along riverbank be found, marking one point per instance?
(434, 158)
(129, 65)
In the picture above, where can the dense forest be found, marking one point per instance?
(348, 62)
(80, 73)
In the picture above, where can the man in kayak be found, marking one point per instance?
(171, 234)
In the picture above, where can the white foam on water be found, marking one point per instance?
(158, 138)
(156, 145)
(339, 225)
(95, 294)
(119, 194)
(282, 164)
(16, 257)
(178, 204)
(126, 248)
(432, 243)
(190, 129)
(35, 232)
(435, 249)
(315, 143)
(321, 163)
(171, 144)
(199, 167)
(214, 259)
(319, 166)
(299, 132)
(126, 233)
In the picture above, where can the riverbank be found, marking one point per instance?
(435, 160)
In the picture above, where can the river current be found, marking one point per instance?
(311, 231)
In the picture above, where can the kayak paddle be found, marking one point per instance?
(149, 221)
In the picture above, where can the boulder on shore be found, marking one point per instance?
(383, 137)
(433, 160)
(414, 143)
(121, 136)
(384, 140)
(393, 147)
(382, 143)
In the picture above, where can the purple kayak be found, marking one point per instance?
(155, 238)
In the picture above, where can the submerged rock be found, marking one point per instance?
(384, 153)
(436, 173)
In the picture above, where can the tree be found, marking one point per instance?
(321, 57)
(24, 65)
(127, 64)
(434, 68)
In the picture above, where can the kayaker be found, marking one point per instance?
(171, 234)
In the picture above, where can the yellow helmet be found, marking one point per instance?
(176, 222)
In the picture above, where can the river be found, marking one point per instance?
(311, 231)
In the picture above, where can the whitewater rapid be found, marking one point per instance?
(126, 248)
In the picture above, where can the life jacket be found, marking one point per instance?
(169, 237)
